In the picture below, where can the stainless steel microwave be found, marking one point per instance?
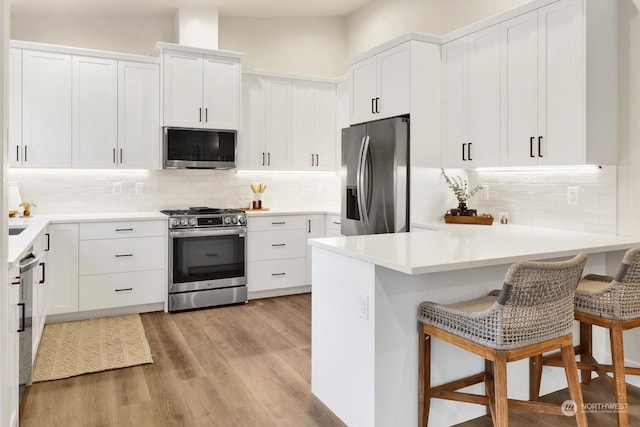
(199, 148)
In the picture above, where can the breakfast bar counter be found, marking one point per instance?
(365, 294)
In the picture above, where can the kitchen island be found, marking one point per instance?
(366, 290)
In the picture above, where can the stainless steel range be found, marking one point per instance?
(207, 257)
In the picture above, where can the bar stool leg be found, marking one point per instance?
(500, 381)
(571, 371)
(617, 355)
(535, 377)
(586, 348)
(424, 377)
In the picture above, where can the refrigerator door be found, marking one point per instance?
(375, 183)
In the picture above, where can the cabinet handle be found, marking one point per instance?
(531, 146)
(206, 114)
(25, 153)
(124, 229)
(48, 242)
(268, 159)
(377, 111)
(17, 281)
(114, 155)
(200, 114)
(373, 101)
(123, 255)
(540, 147)
(312, 159)
(262, 159)
(317, 159)
(278, 274)
(469, 152)
(44, 272)
(124, 289)
(121, 156)
(22, 322)
(337, 222)
(308, 226)
(278, 245)
(17, 153)
(279, 223)
(464, 146)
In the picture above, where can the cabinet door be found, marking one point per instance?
(15, 107)
(561, 83)
(11, 350)
(520, 90)
(95, 112)
(303, 123)
(315, 229)
(251, 138)
(138, 115)
(278, 136)
(39, 277)
(325, 126)
(455, 101)
(62, 283)
(484, 98)
(183, 89)
(46, 107)
(363, 90)
(394, 82)
(221, 96)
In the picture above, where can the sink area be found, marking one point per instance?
(14, 231)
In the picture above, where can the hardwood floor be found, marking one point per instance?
(247, 365)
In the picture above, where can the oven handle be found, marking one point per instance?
(240, 231)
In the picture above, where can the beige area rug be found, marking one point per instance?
(75, 348)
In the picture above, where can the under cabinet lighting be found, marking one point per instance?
(268, 172)
(529, 169)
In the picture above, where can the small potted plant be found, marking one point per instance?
(460, 188)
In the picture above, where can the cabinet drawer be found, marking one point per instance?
(121, 255)
(281, 222)
(333, 226)
(121, 289)
(264, 245)
(284, 273)
(122, 229)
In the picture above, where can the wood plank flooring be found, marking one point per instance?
(247, 365)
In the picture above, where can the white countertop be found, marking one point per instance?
(457, 246)
(294, 211)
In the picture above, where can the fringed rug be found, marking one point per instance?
(75, 348)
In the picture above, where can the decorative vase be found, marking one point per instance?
(462, 209)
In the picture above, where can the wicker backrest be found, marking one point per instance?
(621, 299)
(536, 301)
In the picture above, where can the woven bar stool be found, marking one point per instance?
(612, 303)
(530, 315)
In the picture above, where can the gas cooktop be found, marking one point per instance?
(200, 216)
(200, 210)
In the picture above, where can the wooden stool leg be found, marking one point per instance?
(571, 371)
(500, 380)
(424, 377)
(617, 355)
(535, 377)
(585, 348)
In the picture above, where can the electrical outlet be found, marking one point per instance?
(484, 192)
(364, 307)
(139, 187)
(572, 196)
(117, 188)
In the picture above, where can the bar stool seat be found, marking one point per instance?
(612, 303)
(530, 315)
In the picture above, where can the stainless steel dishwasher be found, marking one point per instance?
(27, 264)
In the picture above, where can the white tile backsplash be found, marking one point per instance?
(539, 197)
(63, 191)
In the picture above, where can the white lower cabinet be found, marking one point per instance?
(121, 255)
(333, 226)
(10, 367)
(62, 283)
(276, 274)
(121, 289)
(39, 313)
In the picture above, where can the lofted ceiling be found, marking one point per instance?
(246, 8)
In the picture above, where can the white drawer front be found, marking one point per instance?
(121, 289)
(265, 245)
(122, 229)
(279, 222)
(121, 255)
(268, 275)
(333, 226)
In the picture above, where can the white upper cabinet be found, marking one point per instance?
(380, 85)
(201, 90)
(46, 109)
(15, 108)
(325, 142)
(95, 112)
(278, 123)
(251, 137)
(138, 115)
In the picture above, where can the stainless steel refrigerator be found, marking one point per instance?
(375, 177)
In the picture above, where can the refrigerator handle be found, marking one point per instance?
(363, 203)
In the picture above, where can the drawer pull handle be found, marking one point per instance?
(337, 222)
(124, 229)
(278, 274)
(279, 223)
(212, 255)
(123, 255)
(124, 289)
(279, 244)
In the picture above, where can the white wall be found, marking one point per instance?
(382, 20)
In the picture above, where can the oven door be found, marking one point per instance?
(202, 259)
